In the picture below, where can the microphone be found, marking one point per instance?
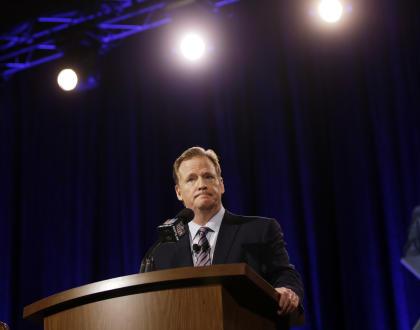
(173, 229)
(170, 231)
(196, 248)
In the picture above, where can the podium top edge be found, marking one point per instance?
(37, 310)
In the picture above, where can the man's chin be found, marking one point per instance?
(206, 207)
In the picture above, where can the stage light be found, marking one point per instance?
(330, 10)
(192, 47)
(67, 79)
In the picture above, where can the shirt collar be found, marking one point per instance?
(214, 223)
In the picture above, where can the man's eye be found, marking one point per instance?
(209, 176)
(190, 180)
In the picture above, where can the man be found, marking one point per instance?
(412, 247)
(217, 236)
(411, 258)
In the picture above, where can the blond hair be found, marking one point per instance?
(196, 152)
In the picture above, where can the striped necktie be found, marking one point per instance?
(203, 257)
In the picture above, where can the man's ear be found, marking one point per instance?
(178, 192)
(222, 186)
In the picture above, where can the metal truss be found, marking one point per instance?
(49, 37)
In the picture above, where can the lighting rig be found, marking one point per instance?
(50, 37)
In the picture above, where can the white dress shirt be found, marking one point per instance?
(214, 224)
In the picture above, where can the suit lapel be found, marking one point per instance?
(183, 257)
(225, 238)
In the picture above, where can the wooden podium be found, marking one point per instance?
(214, 297)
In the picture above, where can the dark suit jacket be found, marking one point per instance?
(253, 240)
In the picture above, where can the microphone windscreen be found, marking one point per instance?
(186, 215)
(196, 248)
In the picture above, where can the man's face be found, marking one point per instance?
(199, 187)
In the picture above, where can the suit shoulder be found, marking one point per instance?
(241, 219)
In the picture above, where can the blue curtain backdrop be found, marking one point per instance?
(318, 128)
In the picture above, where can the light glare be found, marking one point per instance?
(192, 47)
(67, 79)
(330, 10)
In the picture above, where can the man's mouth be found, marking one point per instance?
(203, 195)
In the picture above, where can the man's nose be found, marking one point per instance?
(202, 183)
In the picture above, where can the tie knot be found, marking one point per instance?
(203, 231)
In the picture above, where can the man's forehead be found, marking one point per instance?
(197, 163)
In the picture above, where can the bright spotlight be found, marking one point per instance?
(192, 47)
(67, 79)
(330, 10)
